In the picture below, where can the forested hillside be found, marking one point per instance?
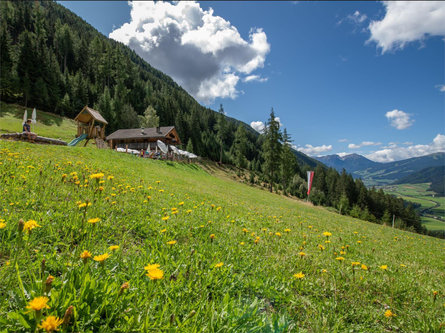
(55, 61)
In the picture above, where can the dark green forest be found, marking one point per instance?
(53, 60)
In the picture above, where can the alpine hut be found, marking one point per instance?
(143, 138)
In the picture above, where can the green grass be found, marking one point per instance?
(48, 124)
(254, 290)
(419, 194)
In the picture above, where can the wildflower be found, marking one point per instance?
(324, 270)
(364, 267)
(402, 265)
(299, 275)
(287, 230)
(68, 315)
(172, 242)
(51, 324)
(151, 266)
(165, 218)
(245, 230)
(110, 177)
(278, 234)
(38, 303)
(257, 240)
(94, 220)
(384, 267)
(181, 203)
(212, 236)
(340, 258)
(355, 263)
(29, 225)
(327, 234)
(113, 247)
(301, 254)
(188, 211)
(97, 175)
(242, 243)
(321, 247)
(155, 274)
(85, 255)
(342, 252)
(389, 314)
(163, 230)
(218, 265)
(359, 242)
(101, 258)
(2, 225)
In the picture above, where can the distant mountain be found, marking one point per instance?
(350, 163)
(433, 175)
(374, 173)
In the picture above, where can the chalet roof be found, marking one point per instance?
(87, 113)
(137, 133)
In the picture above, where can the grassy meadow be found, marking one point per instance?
(430, 206)
(99, 241)
(48, 124)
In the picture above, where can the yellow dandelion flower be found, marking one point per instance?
(155, 274)
(327, 241)
(384, 267)
(355, 263)
(364, 267)
(278, 234)
(402, 265)
(165, 218)
(102, 257)
(163, 230)
(51, 324)
(218, 265)
(321, 247)
(359, 242)
(324, 270)
(2, 225)
(340, 258)
(151, 266)
(242, 243)
(113, 247)
(389, 314)
(287, 230)
(110, 177)
(97, 175)
(245, 230)
(188, 211)
(85, 254)
(94, 220)
(301, 254)
(38, 303)
(327, 234)
(299, 275)
(212, 236)
(172, 242)
(29, 225)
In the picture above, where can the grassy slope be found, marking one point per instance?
(418, 193)
(253, 290)
(48, 124)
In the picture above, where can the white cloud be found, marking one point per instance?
(441, 87)
(399, 119)
(258, 126)
(311, 150)
(202, 52)
(343, 154)
(353, 146)
(357, 17)
(399, 153)
(407, 21)
(279, 121)
(255, 78)
(370, 143)
(343, 140)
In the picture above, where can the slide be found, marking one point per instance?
(77, 140)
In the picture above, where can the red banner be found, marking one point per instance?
(310, 177)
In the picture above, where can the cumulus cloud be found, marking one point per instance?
(399, 153)
(399, 119)
(202, 52)
(407, 21)
(258, 126)
(311, 150)
(370, 143)
(255, 78)
(441, 87)
(353, 146)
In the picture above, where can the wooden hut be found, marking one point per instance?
(143, 138)
(91, 125)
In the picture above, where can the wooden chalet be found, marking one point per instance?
(143, 138)
(90, 123)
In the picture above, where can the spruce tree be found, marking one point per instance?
(271, 149)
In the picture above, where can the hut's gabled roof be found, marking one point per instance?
(87, 113)
(137, 133)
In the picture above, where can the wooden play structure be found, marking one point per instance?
(90, 125)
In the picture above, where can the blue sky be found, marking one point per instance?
(343, 77)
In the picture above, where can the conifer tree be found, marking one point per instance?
(271, 149)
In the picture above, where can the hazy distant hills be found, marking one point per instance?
(375, 173)
(433, 175)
